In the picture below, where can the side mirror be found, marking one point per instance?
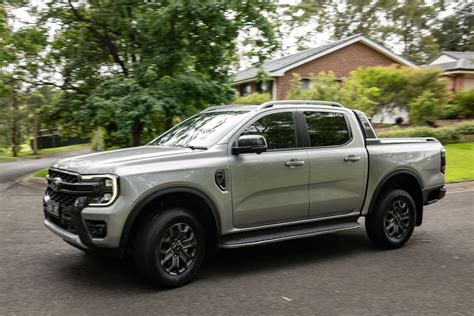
(250, 144)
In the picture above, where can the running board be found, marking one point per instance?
(271, 235)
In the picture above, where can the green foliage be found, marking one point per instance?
(253, 98)
(133, 66)
(325, 87)
(464, 101)
(448, 134)
(419, 27)
(425, 109)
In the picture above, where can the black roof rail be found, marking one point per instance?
(290, 102)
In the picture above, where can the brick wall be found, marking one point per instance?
(341, 62)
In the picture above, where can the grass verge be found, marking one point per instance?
(5, 155)
(41, 173)
(459, 162)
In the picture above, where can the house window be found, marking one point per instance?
(305, 83)
(265, 87)
(245, 89)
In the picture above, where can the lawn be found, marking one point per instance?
(6, 156)
(459, 162)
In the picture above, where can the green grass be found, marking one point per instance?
(6, 156)
(459, 162)
(41, 173)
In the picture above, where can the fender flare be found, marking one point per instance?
(132, 216)
(389, 176)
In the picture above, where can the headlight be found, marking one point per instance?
(109, 189)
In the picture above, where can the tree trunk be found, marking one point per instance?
(14, 124)
(168, 121)
(35, 136)
(137, 129)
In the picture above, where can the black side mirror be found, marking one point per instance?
(250, 144)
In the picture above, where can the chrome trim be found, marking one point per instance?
(298, 102)
(64, 234)
(269, 241)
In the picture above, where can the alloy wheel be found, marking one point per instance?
(397, 220)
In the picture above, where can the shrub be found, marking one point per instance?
(448, 134)
(464, 101)
(451, 111)
(253, 98)
(425, 109)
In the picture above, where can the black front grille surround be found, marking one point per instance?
(72, 195)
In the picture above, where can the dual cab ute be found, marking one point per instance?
(236, 176)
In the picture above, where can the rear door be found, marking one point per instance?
(271, 187)
(338, 163)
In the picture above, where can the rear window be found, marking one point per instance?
(327, 128)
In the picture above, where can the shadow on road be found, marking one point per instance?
(113, 273)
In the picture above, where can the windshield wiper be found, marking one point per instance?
(196, 147)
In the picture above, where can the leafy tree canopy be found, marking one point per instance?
(127, 63)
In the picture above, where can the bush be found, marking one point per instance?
(448, 134)
(451, 111)
(253, 98)
(464, 101)
(425, 109)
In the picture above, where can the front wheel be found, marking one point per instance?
(170, 247)
(392, 221)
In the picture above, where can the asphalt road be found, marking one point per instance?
(9, 171)
(332, 274)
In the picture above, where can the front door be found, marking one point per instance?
(271, 187)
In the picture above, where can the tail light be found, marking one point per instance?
(443, 161)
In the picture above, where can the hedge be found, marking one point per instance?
(448, 134)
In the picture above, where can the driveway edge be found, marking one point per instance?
(33, 182)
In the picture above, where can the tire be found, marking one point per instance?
(392, 221)
(170, 247)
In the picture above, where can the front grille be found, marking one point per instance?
(63, 199)
(65, 176)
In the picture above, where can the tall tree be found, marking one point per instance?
(408, 23)
(128, 65)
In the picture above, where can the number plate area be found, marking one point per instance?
(52, 208)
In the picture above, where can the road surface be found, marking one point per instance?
(332, 274)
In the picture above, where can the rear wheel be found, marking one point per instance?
(170, 247)
(392, 222)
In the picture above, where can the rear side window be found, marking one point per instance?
(278, 129)
(327, 128)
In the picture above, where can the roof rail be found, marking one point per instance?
(272, 103)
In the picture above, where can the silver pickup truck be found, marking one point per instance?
(236, 176)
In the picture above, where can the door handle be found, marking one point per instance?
(352, 158)
(294, 163)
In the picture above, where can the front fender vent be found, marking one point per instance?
(220, 179)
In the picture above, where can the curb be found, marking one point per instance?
(458, 187)
(32, 182)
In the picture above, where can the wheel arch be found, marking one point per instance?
(404, 179)
(143, 208)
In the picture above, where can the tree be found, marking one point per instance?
(133, 66)
(456, 32)
(409, 23)
(325, 87)
(425, 109)
(253, 98)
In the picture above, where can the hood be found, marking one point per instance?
(104, 162)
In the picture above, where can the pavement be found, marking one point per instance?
(337, 274)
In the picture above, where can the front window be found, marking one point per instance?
(278, 129)
(203, 129)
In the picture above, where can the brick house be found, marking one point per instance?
(341, 57)
(458, 69)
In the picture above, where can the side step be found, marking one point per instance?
(270, 235)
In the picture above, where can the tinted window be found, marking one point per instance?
(203, 129)
(278, 129)
(327, 128)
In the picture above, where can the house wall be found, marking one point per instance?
(341, 62)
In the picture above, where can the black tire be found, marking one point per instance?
(158, 238)
(392, 221)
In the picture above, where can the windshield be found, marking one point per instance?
(203, 129)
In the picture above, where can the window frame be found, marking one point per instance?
(300, 140)
(304, 125)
